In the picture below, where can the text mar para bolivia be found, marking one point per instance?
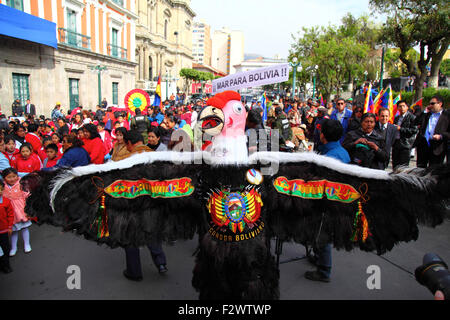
(251, 78)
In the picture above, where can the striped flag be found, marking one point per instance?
(417, 103)
(378, 101)
(368, 103)
(158, 102)
(391, 105)
(321, 100)
(263, 100)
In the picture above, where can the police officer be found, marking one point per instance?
(140, 123)
(17, 110)
(283, 126)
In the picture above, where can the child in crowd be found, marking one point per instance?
(6, 225)
(52, 156)
(45, 142)
(26, 162)
(11, 152)
(17, 196)
(113, 132)
(106, 137)
(56, 139)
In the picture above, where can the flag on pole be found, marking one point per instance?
(158, 102)
(368, 103)
(396, 100)
(321, 100)
(263, 100)
(391, 105)
(417, 103)
(377, 101)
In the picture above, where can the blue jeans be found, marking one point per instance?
(133, 258)
(323, 254)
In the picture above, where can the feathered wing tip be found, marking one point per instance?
(428, 192)
(38, 202)
(130, 222)
(392, 207)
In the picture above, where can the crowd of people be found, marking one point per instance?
(81, 137)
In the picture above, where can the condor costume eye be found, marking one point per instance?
(212, 120)
(238, 108)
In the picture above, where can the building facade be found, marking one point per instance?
(254, 63)
(227, 49)
(94, 58)
(201, 43)
(163, 43)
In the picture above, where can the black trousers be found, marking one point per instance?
(133, 258)
(6, 246)
(400, 157)
(426, 157)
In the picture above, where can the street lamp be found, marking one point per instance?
(382, 67)
(167, 83)
(316, 67)
(98, 68)
(294, 64)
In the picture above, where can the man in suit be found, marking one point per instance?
(30, 109)
(434, 133)
(406, 131)
(387, 130)
(342, 114)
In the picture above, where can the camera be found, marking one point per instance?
(434, 274)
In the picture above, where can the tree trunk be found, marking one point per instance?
(418, 85)
(436, 63)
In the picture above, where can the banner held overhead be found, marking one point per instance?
(255, 78)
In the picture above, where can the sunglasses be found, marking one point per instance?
(433, 103)
(340, 104)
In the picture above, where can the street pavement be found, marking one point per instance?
(42, 274)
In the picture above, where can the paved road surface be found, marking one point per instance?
(42, 273)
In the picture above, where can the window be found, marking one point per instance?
(119, 2)
(114, 36)
(16, 4)
(73, 93)
(20, 87)
(165, 29)
(115, 93)
(72, 27)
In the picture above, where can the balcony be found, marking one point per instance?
(74, 39)
(117, 52)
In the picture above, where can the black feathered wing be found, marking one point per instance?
(393, 204)
(76, 198)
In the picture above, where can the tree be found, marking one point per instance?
(445, 67)
(190, 75)
(422, 23)
(393, 64)
(341, 53)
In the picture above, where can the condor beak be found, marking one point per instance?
(212, 120)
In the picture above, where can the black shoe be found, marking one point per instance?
(162, 268)
(130, 277)
(6, 269)
(316, 276)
